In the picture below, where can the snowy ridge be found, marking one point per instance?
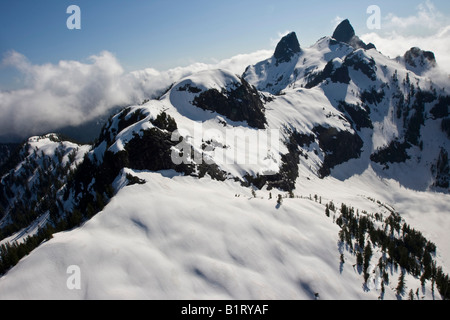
(44, 158)
(245, 248)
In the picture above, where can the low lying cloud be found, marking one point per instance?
(57, 95)
(147, 82)
(428, 29)
(71, 92)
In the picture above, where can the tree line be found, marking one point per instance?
(402, 247)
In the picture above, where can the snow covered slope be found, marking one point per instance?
(178, 237)
(399, 113)
(321, 171)
(31, 189)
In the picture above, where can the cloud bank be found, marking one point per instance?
(428, 29)
(70, 93)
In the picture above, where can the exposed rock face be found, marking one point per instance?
(358, 115)
(340, 73)
(363, 63)
(417, 58)
(442, 170)
(289, 170)
(335, 74)
(442, 108)
(151, 151)
(396, 152)
(240, 104)
(338, 146)
(287, 48)
(345, 33)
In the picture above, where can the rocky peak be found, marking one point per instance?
(287, 48)
(417, 58)
(344, 32)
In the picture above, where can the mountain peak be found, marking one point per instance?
(417, 58)
(287, 47)
(344, 32)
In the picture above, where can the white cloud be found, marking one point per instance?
(72, 92)
(428, 29)
(64, 94)
(427, 20)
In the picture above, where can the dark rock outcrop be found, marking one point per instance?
(338, 147)
(394, 153)
(417, 58)
(362, 63)
(441, 170)
(287, 48)
(345, 33)
(285, 179)
(358, 115)
(441, 109)
(336, 75)
(150, 151)
(240, 104)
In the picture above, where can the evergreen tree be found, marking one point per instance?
(342, 236)
(367, 257)
(432, 286)
(359, 259)
(401, 284)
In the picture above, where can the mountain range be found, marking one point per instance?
(319, 172)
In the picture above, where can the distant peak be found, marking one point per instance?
(287, 48)
(417, 52)
(344, 32)
(416, 57)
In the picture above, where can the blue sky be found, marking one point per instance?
(165, 34)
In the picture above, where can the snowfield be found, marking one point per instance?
(178, 237)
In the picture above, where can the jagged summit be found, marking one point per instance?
(345, 32)
(287, 47)
(415, 59)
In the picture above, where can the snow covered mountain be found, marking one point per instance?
(319, 172)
